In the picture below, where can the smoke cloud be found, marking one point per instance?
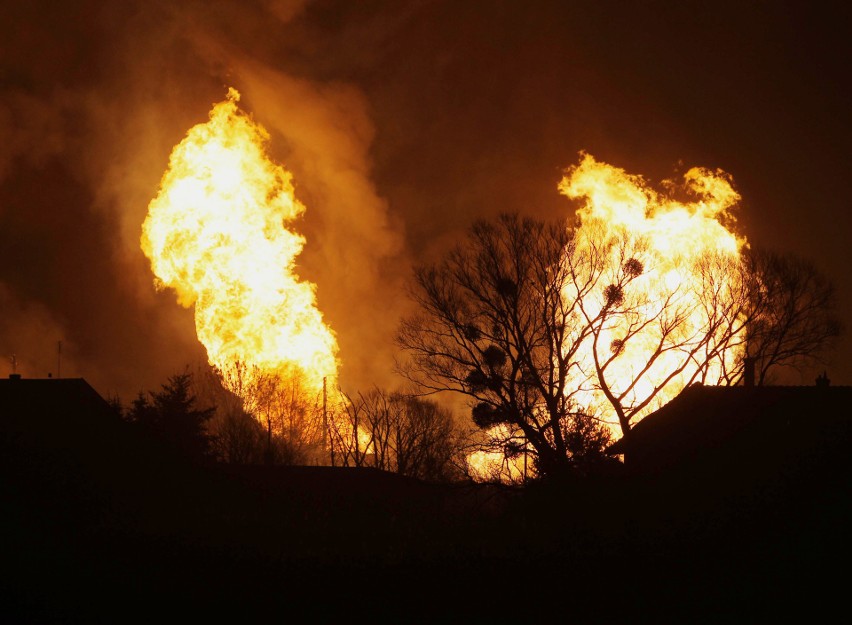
(164, 69)
(401, 122)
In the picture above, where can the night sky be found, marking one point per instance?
(402, 122)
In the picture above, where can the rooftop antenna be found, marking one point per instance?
(14, 364)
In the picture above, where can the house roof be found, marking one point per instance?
(45, 395)
(705, 415)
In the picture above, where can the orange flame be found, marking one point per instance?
(216, 234)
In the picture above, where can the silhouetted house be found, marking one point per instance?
(54, 428)
(58, 416)
(50, 396)
(739, 434)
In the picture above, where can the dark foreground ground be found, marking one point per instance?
(97, 525)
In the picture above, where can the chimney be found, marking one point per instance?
(748, 371)
(822, 380)
(14, 376)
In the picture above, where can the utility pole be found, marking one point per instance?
(325, 420)
(59, 359)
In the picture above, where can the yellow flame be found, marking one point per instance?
(217, 234)
(671, 237)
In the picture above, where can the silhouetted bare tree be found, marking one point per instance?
(235, 435)
(792, 313)
(398, 432)
(494, 325)
(290, 415)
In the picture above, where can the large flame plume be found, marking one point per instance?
(217, 233)
(670, 234)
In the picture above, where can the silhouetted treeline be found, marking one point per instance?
(103, 523)
(401, 433)
(276, 422)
